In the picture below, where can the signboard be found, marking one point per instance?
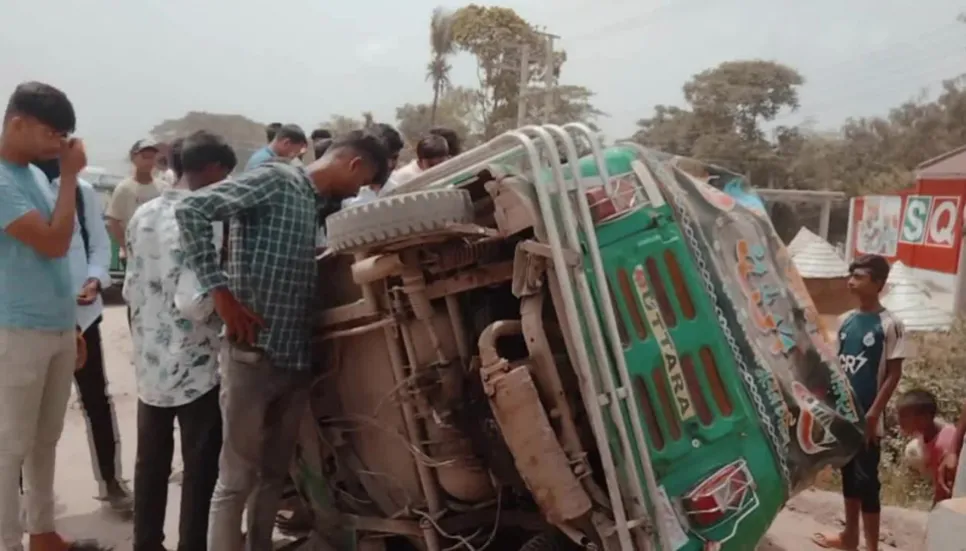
(915, 218)
(943, 222)
(921, 226)
(878, 228)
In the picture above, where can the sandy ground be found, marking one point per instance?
(80, 516)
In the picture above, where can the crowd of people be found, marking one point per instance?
(220, 283)
(220, 286)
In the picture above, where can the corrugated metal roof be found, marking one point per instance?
(912, 304)
(817, 259)
(802, 238)
(951, 164)
(900, 273)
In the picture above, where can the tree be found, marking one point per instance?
(340, 125)
(456, 110)
(243, 134)
(494, 36)
(740, 95)
(570, 104)
(729, 105)
(442, 47)
(671, 129)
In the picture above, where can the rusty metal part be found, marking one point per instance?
(426, 480)
(460, 254)
(538, 455)
(548, 381)
(374, 268)
(358, 330)
(368, 293)
(459, 328)
(346, 313)
(528, 273)
(489, 355)
(513, 210)
(414, 285)
(542, 250)
(463, 281)
(458, 472)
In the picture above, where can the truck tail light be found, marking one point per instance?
(724, 493)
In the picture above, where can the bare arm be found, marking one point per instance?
(895, 352)
(20, 220)
(119, 212)
(888, 388)
(116, 229)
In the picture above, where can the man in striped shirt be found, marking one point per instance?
(266, 298)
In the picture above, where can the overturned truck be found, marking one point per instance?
(530, 349)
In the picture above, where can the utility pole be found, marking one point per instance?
(548, 81)
(524, 85)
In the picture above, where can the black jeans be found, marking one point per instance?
(98, 407)
(201, 434)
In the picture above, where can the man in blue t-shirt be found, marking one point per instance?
(39, 341)
(871, 350)
(287, 143)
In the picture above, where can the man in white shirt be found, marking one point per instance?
(176, 337)
(89, 257)
(431, 150)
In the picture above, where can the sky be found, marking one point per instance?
(128, 65)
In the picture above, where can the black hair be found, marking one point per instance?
(50, 168)
(271, 130)
(432, 147)
(45, 103)
(390, 137)
(292, 133)
(451, 137)
(919, 401)
(371, 148)
(203, 148)
(321, 134)
(321, 146)
(877, 266)
(174, 157)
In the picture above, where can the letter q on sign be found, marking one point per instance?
(943, 222)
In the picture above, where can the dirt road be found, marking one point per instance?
(79, 515)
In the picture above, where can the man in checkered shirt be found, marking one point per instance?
(266, 300)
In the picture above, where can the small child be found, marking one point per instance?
(917, 418)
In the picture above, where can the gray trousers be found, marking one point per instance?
(262, 407)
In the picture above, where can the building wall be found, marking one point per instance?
(921, 226)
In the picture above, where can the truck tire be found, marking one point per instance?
(397, 217)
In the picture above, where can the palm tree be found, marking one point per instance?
(441, 46)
